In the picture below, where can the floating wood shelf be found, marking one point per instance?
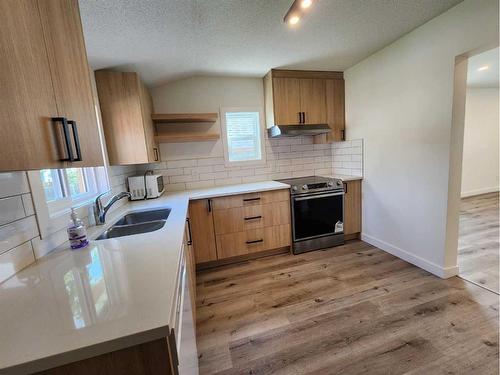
(186, 137)
(184, 117)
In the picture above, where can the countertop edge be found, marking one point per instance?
(87, 352)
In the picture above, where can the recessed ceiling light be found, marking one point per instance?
(305, 3)
(486, 67)
(293, 20)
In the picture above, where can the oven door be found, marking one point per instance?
(315, 215)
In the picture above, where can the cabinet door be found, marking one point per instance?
(286, 96)
(335, 109)
(352, 207)
(149, 127)
(119, 98)
(313, 100)
(190, 266)
(202, 229)
(28, 138)
(70, 73)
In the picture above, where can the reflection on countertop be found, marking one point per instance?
(82, 303)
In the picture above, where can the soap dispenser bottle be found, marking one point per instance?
(77, 233)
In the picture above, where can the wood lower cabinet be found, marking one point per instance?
(253, 241)
(202, 230)
(45, 75)
(240, 219)
(126, 109)
(352, 207)
(150, 358)
(232, 226)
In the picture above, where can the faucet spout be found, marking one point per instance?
(100, 210)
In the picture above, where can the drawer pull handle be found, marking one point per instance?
(255, 241)
(251, 199)
(253, 217)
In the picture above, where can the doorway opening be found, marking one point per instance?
(478, 232)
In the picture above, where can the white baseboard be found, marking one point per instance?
(471, 193)
(442, 272)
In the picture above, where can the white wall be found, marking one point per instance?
(201, 164)
(400, 101)
(480, 167)
(204, 94)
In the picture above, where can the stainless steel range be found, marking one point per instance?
(317, 212)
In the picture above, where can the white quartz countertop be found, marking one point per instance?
(119, 292)
(346, 178)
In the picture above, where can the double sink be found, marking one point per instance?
(136, 223)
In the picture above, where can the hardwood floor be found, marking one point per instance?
(478, 244)
(351, 310)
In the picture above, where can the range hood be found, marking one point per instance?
(295, 130)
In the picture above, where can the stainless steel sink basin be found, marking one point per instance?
(136, 223)
(144, 216)
(128, 230)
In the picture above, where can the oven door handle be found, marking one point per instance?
(317, 196)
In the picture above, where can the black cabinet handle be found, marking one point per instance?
(155, 150)
(345, 188)
(209, 205)
(253, 217)
(343, 134)
(300, 117)
(303, 117)
(251, 199)
(77, 141)
(67, 141)
(190, 239)
(254, 241)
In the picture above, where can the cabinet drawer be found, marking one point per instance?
(253, 241)
(239, 219)
(244, 200)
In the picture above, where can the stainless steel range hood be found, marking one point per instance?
(295, 130)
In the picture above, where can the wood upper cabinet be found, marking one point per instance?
(126, 109)
(313, 100)
(45, 75)
(294, 97)
(202, 230)
(352, 207)
(335, 112)
(286, 94)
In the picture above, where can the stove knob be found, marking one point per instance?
(330, 183)
(294, 188)
(305, 187)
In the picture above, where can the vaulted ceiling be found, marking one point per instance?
(165, 40)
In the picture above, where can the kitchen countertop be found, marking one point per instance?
(116, 293)
(346, 178)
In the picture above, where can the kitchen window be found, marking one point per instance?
(243, 136)
(65, 188)
(56, 191)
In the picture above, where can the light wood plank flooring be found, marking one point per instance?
(350, 310)
(478, 253)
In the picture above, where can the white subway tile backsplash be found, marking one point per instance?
(181, 163)
(13, 183)
(29, 209)
(15, 259)
(211, 161)
(17, 232)
(11, 209)
(200, 184)
(228, 181)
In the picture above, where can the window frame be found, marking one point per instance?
(53, 215)
(262, 137)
